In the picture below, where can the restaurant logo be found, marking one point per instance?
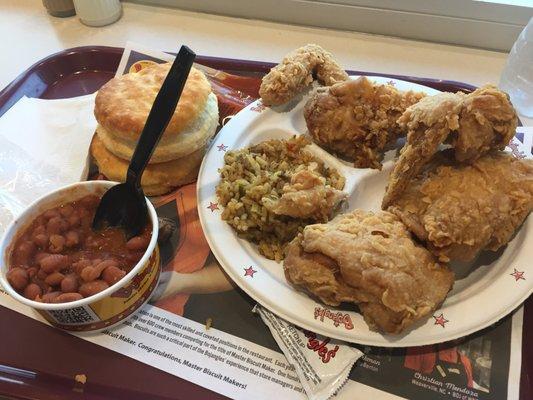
(338, 317)
(320, 348)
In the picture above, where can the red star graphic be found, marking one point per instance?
(221, 147)
(440, 320)
(250, 271)
(213, 206)
(518, 275)
(392, 83)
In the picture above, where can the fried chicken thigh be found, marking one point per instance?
(369, 259)
(357, 118)
(472, 124)
(297, 71)
(459, 210)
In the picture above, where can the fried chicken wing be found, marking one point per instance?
(357, 118)
(472, 124)
(369, 259)
(307, 196)
(297, 71)
(459, 210)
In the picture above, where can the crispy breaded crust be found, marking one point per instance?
(369, 259)
(296, 71)
(357, 118)
(459, 210)
(473, 124)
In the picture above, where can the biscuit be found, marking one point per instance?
(122, 104)
(194, 137)
(157, 179)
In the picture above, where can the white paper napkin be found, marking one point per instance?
(44, 144)
(54, 132)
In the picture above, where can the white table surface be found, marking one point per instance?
(28, 34)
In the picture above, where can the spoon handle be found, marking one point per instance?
(160, 114)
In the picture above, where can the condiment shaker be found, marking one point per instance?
(98, 12)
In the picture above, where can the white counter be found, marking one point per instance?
(28, 34)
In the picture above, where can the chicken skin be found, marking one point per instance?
(297, 71)
(459, 210)
(473, 124)
(357, 119)
(307, 196)
(369, 259)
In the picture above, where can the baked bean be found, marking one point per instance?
(138, 243)
(32, 291)
(54, 278)
(66, 210)
(64, 225)
(40, 255)
(57, 243)
(32, 271)
(54, 262)
(55, 225)
(41, 274)
(67, 297)
(78, 266)
(90, 288)
(40, 221)
(90, 201)
(69, 283)
(41, 239)
(40, 229)
(134, 258)
(72, 239)
(112, 275)
(18, 278)
(49, 214)
(92, 273)
(84, 215)
(23, 252)
(50, 297)
(74, 220)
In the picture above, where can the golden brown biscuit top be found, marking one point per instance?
(122, 104)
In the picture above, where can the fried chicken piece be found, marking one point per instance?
(297, 71)
(307, 196)
(472, 124)
(369, 259)
(459, 210)
(357, 118)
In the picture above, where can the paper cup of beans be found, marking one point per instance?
(78, 279)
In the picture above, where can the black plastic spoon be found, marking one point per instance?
(124, 204)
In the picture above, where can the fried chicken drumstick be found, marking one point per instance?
(369, 259)
(297, 71)
(357, 118)
(459, 210)
(472, 124)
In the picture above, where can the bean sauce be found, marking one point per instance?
(59, 258)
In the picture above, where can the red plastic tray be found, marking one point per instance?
(40, 362)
